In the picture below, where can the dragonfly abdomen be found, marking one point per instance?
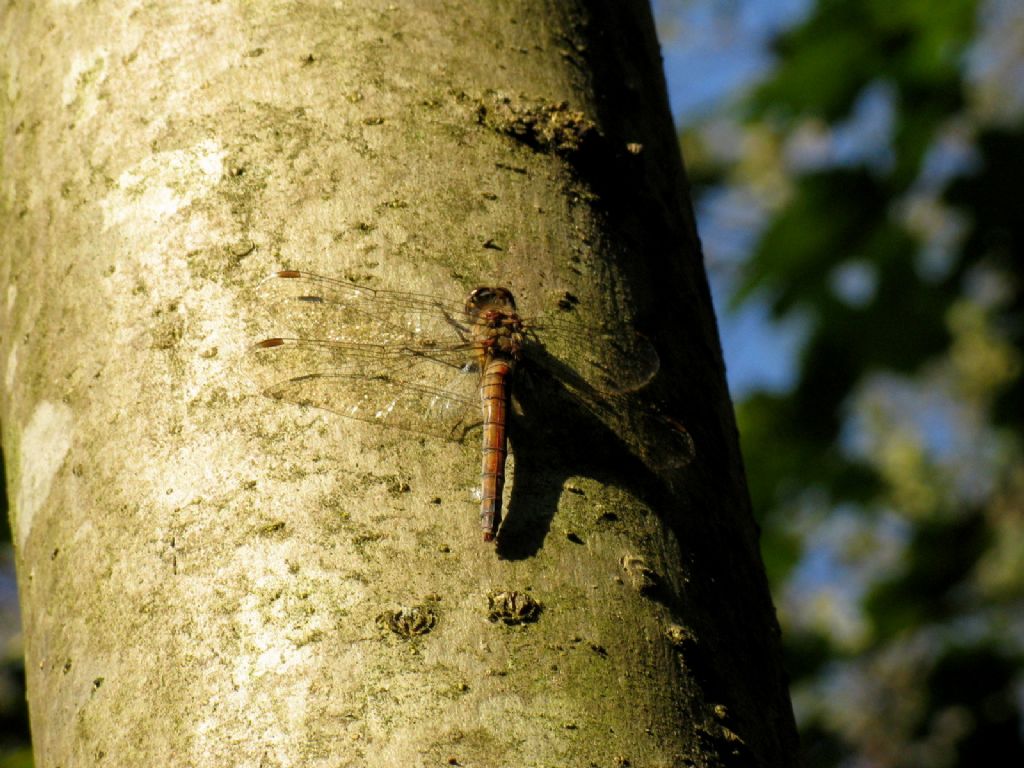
(494, 397)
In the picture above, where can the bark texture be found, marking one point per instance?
(209, 578)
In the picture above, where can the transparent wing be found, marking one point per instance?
(614, 359)
(391, 357)
(372, 383)
(667, 444)
(314, 306)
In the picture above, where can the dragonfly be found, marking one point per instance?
(432, 366)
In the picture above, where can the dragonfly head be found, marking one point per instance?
(482, 300)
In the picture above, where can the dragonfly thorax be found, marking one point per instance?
(499, 329)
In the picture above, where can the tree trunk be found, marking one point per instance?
(211, 578)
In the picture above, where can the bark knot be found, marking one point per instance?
(409, 621)
(544, 127)
(512, 607)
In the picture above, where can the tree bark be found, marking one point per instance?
(210, 578)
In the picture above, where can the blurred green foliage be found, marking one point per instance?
(889, 478)
(18, 758)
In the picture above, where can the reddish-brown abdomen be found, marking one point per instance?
(494, 397)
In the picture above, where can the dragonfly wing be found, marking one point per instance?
(417, 393)
(378, 400)
(315, 306)
(665, 442)
(292, 355)
(603, 367)
(616, 360)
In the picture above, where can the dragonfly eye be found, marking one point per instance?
(481, 298)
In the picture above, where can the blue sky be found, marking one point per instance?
(713, 51)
